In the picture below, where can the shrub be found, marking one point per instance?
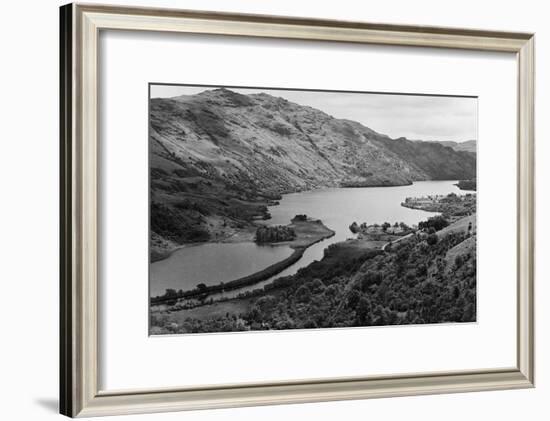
(353, 299)
(435, 222)
(371, 277)
(303, 294)
(432, 239)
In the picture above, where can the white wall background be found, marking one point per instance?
(29, 211)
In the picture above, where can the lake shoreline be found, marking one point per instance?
(286, 265)
(308, 233)
(244, 234)
(239, 236)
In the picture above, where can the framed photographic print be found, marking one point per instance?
(260, 210)
(260, 201)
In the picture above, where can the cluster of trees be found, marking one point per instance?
(180, 227)
(385, 227)
(467, 184)
(433, 224)
(398, 225)
(413, 283)
(355, 227)
(449, 206)
(273, 234)
(454, 205)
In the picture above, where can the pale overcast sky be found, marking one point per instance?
(412, 116)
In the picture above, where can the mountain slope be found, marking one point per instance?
(277, 145)
(218, 158)
(467, 146)
(439, 162)
(281, 146)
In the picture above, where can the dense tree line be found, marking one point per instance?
(173, 224)
(433, 224)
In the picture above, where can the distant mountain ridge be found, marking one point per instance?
(220, 152)
(466, 146)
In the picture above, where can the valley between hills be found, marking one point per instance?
(220, 159)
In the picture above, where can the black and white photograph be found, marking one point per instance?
(233, 210)
(273, 209)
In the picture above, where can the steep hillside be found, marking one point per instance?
(218, 158)
(275, 144)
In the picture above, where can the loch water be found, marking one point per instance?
(212, 263)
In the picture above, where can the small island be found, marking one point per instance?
(274, 234)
